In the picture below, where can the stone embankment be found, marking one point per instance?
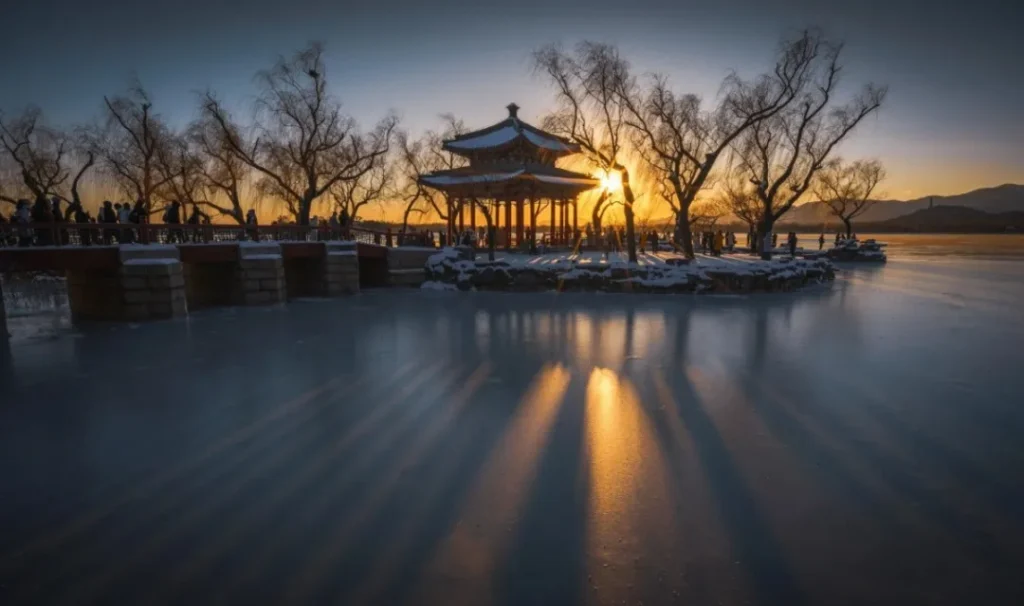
(457, 269)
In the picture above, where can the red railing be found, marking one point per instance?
(98, 234)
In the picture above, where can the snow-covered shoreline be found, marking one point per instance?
(461, 269)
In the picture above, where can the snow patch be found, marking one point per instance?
(151, 262)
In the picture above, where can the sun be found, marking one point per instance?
(610, 182)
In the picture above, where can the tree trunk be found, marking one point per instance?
(763, 230)
(684, 236)
(849, 226)
(305, 206)
(627, 193)
(595, 219)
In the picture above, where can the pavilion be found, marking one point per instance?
(511, 164)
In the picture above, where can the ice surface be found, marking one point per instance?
(781, 449)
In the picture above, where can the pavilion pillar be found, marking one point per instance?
(449, 228)
(508, 225)
(472, 215)
(564, 220)
(575, 223)
(533, 223)
(551, 228)
(462, 220)
(496, 218)
(520, 224)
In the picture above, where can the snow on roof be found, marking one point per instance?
(545, 142)
(506, 132)
(492, 139)
(469, 178)
(565, 180)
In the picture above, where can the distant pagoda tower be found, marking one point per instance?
(510, 163)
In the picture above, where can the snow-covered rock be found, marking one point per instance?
(854, 250)
(654, 273)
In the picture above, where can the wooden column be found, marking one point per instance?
(508, 224)
(533, 222)
(497, 221)
(575, 223)
(449, 227)
(472, 215)
(565, 222)
(551, 228)
(520, 224)
(462, 219)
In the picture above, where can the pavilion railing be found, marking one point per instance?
(98, 234)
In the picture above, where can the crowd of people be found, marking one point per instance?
(55, 214)
(115, 222)
(714, 242)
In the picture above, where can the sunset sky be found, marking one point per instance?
(952, 121)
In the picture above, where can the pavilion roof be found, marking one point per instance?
(540, 179)
(506, 133)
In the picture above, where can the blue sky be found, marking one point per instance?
(951, 123)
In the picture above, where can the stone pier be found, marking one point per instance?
(95, 293)
(406, 265)
(151, 283)
(341, 269)
(261, 273)
(3, 312)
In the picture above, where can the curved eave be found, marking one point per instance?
(506, 134)
(483, 183)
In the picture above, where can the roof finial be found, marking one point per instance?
(513, 110)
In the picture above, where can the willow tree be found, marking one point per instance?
(36, 154)
(590, 113)
(181, 165)
(782, 154)
(302, 143)
(130, 144)
(738, 196)
(847, 188)
(373, 187)
(224, 175)
(426, 155)
(680, 140)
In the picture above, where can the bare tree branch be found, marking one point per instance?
(681, 143)
(302, 144)
(847, 188)
(38, 152)
(591, 114)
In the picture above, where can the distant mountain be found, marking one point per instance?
(952, 219)
(999, 199)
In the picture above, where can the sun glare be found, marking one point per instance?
(610, 181)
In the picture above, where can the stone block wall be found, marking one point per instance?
(406, 265)
(3, 312)
(211, 284)
(261, 274)
(341, 268)
(304, 276)
(153, 289)
(95, 294)
(341, 273)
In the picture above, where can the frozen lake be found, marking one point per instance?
(859, 443)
